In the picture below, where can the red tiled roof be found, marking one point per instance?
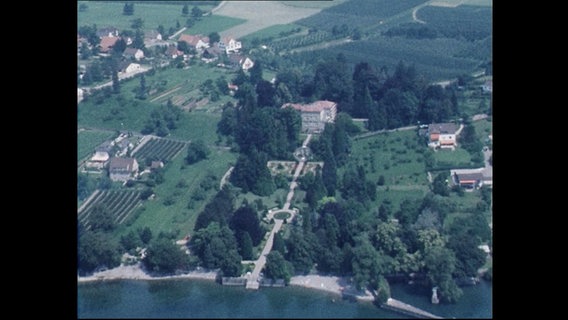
(107, 42)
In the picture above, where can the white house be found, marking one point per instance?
(133, 67)
(229, 45)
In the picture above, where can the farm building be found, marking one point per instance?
(152, 35)
(443, 135)
(469, 179)
(98, 160)
(315, 115)
(240, 61)
(133, 53)
(107, 43)
(122, 169)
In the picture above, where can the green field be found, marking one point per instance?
(107, 14)
(313, 4)
(213, 23)
(177, 217)
(88, 140)
(456, 158)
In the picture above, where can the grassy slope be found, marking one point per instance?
(213, 23)
(456, 158)
(398, 163)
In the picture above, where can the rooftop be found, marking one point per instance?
(317, 106)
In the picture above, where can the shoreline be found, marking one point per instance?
(332, 284)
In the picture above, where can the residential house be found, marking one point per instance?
(468, 179)
(172, 52)
(130, 53)
(107, 43)
(107, 32)
(315, 115)
(196, 42)
(127, 67)
(152, 35)
(98, 160)
(122, 169)
(236, 61)
(211, 54)
(229, 45)
(443, 135)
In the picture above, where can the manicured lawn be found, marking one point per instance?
(88, 140)
(177, 217)
(456, 158)
(108, 13)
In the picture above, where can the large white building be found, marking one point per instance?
(315, 115)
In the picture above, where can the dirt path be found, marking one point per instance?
(415, 10)
(166, 93)
(225, 177)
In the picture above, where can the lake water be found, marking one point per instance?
(206, 299)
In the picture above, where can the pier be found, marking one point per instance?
(399, 306)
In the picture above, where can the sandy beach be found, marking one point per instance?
(337, 285)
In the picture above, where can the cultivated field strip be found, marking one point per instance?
(120, 203)
(162, 149)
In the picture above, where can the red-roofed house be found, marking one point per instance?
(315, 115)
(107, 43)
(197, 42)
(122, 169)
